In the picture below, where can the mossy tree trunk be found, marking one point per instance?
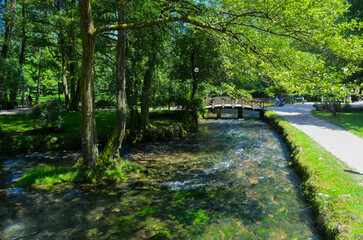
(89, 136)
(114, 144)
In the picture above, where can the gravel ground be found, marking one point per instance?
(343, 144)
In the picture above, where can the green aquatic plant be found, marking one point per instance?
(47, 177)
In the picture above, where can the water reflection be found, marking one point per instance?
(231, 181)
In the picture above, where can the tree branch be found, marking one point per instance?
(139, 25)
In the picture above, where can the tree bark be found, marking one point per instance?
(64, 81)
(22, 53)
(63, 50)
(9, 22)
(39, 76)
(73, 77)
(89, 136)
(114, 144)
(190, 109)
(146, 91)
(131, 94)
(332, 108)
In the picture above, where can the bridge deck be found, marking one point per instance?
(235, 106)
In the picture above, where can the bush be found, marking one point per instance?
(105, 101)
(347, 108)
(324, 106)
(47, 114)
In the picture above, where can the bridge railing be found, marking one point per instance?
(232, 102)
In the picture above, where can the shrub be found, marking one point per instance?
(47, 114)
(105, 101)
(347, 108)
(324, 106)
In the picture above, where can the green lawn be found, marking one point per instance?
(353, 122)
(336, 194)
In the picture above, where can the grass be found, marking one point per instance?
(353, 122)
(48, 177)
(335, 193)
(18, 134)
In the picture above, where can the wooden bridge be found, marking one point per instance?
(220, 103)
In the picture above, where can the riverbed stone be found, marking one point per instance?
(95, 214)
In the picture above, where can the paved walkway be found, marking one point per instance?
(343, 144)
(15, 111)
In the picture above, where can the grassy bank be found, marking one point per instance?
(335, 193)
(52, 178)
(352, 122)
(17, 133)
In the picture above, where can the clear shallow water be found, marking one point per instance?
(230, 181)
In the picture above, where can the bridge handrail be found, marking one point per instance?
(225, 100)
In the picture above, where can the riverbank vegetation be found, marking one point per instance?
(142, 54)
(349, 121)
(52, 178)
(334, 191)
(19, 134)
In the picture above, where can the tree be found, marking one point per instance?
(9, 23)
(114, 144)
(89, 34)
(247, 25)
(9, 15)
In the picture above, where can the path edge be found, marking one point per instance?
(327, 228)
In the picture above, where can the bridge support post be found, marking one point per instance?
(262, 115)
(240, 113)
(219, 113)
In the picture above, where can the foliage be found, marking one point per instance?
(346, 107)
(105, 100)
(20, 135)
(334, 192)
(120, 170)
(46, 114)
(324, 106)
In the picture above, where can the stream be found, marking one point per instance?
(231, 180)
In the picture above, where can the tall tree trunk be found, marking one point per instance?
(89, 136)
(76, 97)
(190, 109)
(64, 81)
(64, 59)
(73, 78)
(131, 94)
(39, 76)
(9, 22)
(114, 144)
(22, 54)
(146, 91)
(332, 108)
